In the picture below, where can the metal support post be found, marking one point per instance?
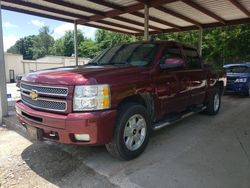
(200, 41)
(75, 42)
(3, 88)
(146, 22)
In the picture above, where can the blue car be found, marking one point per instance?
(238, 78)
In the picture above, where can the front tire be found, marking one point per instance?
(214, 102)
(132, 132)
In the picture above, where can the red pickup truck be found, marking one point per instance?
(120, 96)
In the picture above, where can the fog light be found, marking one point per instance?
(82, 137)
(18, 111)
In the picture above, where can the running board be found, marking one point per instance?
(180, 117)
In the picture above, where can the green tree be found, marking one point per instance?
(107, 39)
(88, 48)
(23, 46)
(65, 45)
(42, 43)
(58, 47)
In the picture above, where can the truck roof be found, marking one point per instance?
(163, 42)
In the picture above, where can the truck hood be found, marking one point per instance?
(87, 74)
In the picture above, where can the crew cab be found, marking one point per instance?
(120, 97)
(238, 78)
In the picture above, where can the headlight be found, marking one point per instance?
(241, 80)
(91, 97)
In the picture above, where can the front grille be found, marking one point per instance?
(44, 103)
(47, 90)
(230, 80)
(50, 98)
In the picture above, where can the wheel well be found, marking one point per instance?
(133, 99)
(220, 85)
(145, 99)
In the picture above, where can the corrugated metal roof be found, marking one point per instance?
(245, 3)
(190, 12)
(168, 17)
(90, 4)
(222, 8)
(126, 16)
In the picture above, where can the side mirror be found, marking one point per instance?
(172, 63)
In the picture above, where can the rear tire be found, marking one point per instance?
(214, 102)
(132, 132)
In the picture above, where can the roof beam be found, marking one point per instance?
(108, 28)
(107, 4)
(122, 19)
(155, 3)
(241, 7)
(118, 10)
(48, 9)
(36, 14)
(151, 18)
(178, 15)
(74, 6)
(119, 25)
(97, 12)
(203, 10)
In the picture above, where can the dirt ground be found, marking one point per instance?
(201, 151)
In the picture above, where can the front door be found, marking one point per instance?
(170, 86)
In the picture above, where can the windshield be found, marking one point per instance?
(238, 69)
(132, 54)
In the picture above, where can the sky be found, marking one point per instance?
(18, 25)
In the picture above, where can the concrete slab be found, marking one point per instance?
(201, 151)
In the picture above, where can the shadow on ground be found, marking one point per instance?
(64, 167)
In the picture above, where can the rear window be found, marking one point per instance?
(238, 69)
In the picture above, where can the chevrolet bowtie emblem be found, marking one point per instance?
(33, 95)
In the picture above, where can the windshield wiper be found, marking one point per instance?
(119, 63)
(93, 63)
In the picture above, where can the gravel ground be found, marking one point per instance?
(201, 151)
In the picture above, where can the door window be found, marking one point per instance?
(172, 55)
(193, 59)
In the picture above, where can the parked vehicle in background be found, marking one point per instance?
(120, 96)
(238, 78)
(18, 80)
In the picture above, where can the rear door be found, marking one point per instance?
(196, 75)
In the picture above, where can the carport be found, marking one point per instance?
(139, 18)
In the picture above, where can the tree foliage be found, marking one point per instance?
(34, 46)
(42, 43)
(107, 39)
(65, 46)
(23, 46)
(88, 48)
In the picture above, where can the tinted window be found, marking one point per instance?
(171, 53)
(193, 59)
(136, 54)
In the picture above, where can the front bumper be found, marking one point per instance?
(237, 87)
(99, 125)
